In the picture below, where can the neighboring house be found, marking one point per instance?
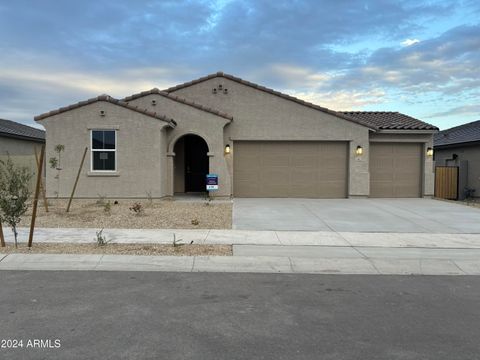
(20, 143)
(460, 146)
(260, 142)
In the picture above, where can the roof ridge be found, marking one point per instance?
(370, 112)
(270, 91)
(110, 99)
(178, 99)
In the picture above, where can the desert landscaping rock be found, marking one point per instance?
(158, 214)
(122, 249)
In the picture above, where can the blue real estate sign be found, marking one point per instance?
(212, 182)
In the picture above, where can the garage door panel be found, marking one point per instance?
(329, 189)
(246, 176)
(275, 175)
(291, 169)
(302, 191)
(381, 176)
(381, 189)
(395, 169)
(406, 150)
(304, 176)
(274, 160)
(303, 160)
(332, 175)
(402, 190)
(246, 187)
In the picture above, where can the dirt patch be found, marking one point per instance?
(122, 249)
(160, 214)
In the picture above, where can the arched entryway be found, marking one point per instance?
(190, 164)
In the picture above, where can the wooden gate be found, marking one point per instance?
(446, 182)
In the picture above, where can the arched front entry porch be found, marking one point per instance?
(190, 164)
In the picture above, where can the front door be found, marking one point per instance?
(196, 163)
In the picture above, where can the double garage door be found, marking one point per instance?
(316, 169)
(308, 169)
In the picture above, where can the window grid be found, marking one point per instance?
(93, 151)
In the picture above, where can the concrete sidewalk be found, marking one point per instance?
(267, 251)
(250, 237)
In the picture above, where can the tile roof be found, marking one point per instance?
(111, 100)
(13, 129)
(270, 91)
(459, 134)
(178, 99)
(390, 120)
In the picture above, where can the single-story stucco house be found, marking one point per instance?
(460, 147)
(260, 143)
(20, 142)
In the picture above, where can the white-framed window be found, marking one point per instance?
(104, 150)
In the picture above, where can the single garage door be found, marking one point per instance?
(395, 170)
(309, 169)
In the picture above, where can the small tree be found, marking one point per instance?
(55, 163)
(14, 193)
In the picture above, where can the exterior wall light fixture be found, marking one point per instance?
(429, 152)
(227, 149)
(359, 151)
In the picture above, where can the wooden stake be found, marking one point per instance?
(2, 239)
(35, 199)
(42, 187)
(76, 180)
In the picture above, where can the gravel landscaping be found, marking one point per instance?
(475, 202)
(156, 214)
(121, 249)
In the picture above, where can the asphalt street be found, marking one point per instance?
(161, 315)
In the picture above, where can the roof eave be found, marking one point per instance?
(22, 137)
(108, 99)
(457, 144)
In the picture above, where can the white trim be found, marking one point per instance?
(92, 150)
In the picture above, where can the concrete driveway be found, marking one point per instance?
(356, 215)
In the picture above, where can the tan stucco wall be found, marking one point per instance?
(22, 153)
(141, 150)
(191, 120)
(262, 116)
(471, 154)
(18, 147)
(428, 166)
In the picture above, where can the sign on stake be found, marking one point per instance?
(76, 180)
(35, 199)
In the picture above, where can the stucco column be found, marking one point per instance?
(218, 165)
(359, 175)
(169, 183)
(429, 174)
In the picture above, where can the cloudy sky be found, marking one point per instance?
(417, 57)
